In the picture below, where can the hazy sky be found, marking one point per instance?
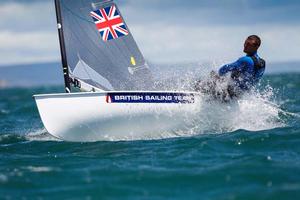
(165, 30)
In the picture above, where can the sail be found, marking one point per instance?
(99, 47)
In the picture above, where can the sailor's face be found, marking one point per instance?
(250, 46)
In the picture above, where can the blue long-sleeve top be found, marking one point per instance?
(243, 72)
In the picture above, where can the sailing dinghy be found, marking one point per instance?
(117, 101)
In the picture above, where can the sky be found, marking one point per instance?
(167, 31)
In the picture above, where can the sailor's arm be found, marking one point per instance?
(236, 66)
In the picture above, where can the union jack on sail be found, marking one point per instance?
(109, 23)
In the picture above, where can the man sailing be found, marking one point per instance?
(243, 74)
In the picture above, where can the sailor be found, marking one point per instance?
(243, 74)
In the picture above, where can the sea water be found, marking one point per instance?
(246, 150)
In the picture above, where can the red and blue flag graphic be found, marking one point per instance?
(109, 23)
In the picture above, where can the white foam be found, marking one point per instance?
(254, 112)
(40, 135)
(40, 169)
(3, 178)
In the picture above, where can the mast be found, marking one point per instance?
(62, 47)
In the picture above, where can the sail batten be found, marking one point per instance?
(101, 45)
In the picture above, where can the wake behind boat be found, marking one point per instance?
(101, 58)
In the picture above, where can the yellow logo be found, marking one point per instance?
(132, 60)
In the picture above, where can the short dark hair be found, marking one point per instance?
(256, 38)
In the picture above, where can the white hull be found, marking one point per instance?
(90, 117)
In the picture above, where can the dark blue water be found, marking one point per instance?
(259, 161)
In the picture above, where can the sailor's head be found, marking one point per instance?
(252, 44)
